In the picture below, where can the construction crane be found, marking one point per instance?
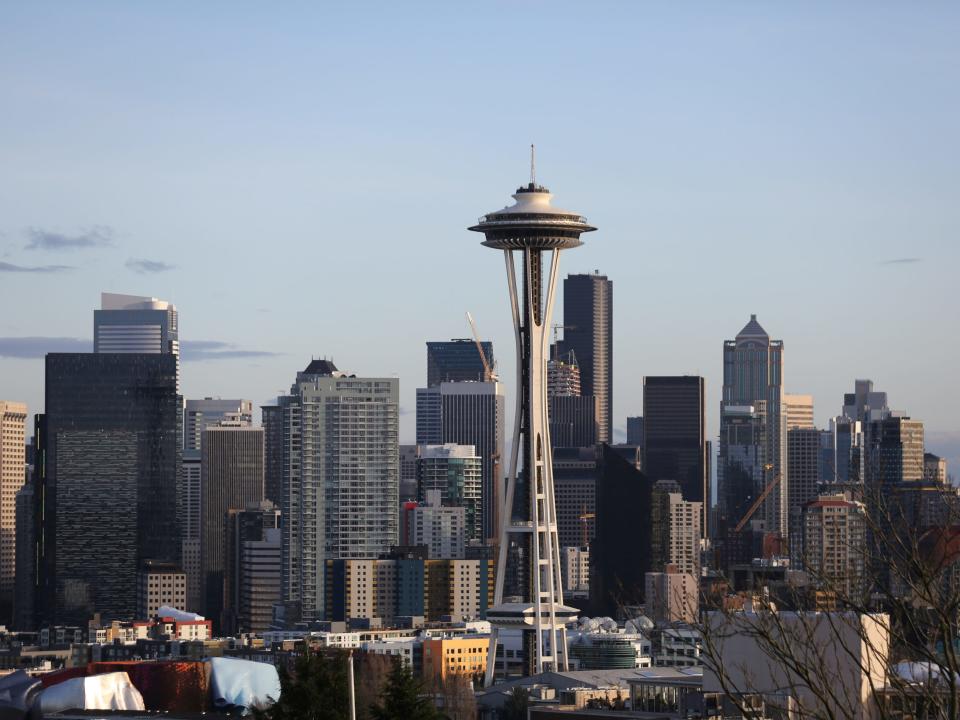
(759, 501)
(584, 516)
(488, 373)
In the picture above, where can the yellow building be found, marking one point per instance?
(443, 657)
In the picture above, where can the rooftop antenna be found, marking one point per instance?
(533, 166)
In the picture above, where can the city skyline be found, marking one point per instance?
(839, 188)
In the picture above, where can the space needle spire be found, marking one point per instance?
(528, 594)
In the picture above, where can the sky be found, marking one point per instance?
(298, 179)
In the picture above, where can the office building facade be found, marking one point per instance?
(468, 413)
(457, 360)
(753, 373)
(232, 479)
(253, 572)
(207, 412)
(108, 483)
(135, 324)
(804, 467)
(675, 532)
(674, 435)
(588, 333)
(456, 473)
(621, 552)
(798, 411)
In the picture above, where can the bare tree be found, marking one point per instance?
(874, 636)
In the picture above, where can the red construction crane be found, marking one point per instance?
(759, 501)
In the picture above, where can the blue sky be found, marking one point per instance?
(298, 180)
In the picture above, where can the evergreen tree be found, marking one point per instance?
(316, 689)
(402, 698)
(516, 705)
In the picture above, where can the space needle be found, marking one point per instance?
(528, 562)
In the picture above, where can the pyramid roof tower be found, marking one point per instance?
(752, 329)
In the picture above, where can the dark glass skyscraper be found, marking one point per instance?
(674, 429)
(620, 555)
(107, 496)
(232, 479)
(588, 332)
(456, 360)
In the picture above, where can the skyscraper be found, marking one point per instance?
(232, 479)
(340, 475)
(573, 420)
(109, 483)
(533, 228)
(742, 474)
(455, 471)
(635, 430)
(575, 490)
(621, 553)
(468, 413)
(457, 360)
(675, 534)
(252, 574)
(203, 413)
(674, 429)
(753, 373)
(573, 416)
(804, 468)
(895, 451)
(588, 332)
(798, 411)
(135, 324)
(13, 418)
(191, 522)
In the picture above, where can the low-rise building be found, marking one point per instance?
(465, 655)
(160, 584)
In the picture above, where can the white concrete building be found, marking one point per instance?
(13, 416)
(575, 567)
(847, 655)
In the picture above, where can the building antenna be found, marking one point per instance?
(533, 165)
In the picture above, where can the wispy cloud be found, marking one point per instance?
(190, 350)
(11, 268)
(146, 267)
(199, 350)
(901, 261)
(37, 347)
(39, 239)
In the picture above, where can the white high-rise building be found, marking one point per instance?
(341, 471)
(135, 324)
(13, 416)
